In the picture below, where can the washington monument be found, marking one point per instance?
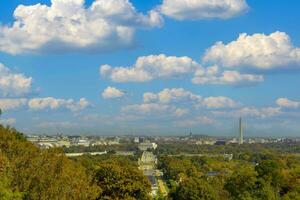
(241, 134)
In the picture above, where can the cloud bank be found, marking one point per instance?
(202, 9)
(14, 84)
(259, 51)
(214, 76)
(54, 104)
(67, 25)
(150, 67)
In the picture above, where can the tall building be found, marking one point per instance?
(241, 134)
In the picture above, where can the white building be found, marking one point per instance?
(147, 145)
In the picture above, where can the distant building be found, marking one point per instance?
(85, 153)
(125, 153)
(191, 135)
(64, 143)
(233, 141)
(136, 139)
(82, 142)
(221, 142)
(147, 161)
(147, 145)
(205, 142)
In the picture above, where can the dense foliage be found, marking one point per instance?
(27, 172)
(184, 147)
(256, 172)
(255, 176)
(99, 148)
(118, 177)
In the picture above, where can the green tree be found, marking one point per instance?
(271, 172)
(6, 189)
(195, 188)
(121, 181)
(43, 174)
(242, 183)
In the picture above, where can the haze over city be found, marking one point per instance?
(149, 100)
(150, 67)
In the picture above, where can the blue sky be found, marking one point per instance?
(52, 56)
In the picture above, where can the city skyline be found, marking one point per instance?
(150, 68)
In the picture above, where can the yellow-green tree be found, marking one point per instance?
(119, 181)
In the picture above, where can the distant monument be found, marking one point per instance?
(241, 131)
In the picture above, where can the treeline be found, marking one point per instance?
(29, 173)
(99, 148)
(255, 177)
(184, 147)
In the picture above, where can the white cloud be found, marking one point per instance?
(14, 84)
(180, 95)
(68, 25)
(219, 102)
(8, 104)
(258, 51)
(172, 95)
(147, 108)
(262, 112)
(199, 120)
(250, 112)
(180, 112)
(157, 109)
(287, 103)
(111, 92)
(8, 121)
(53, 104)
(202, 9)
(212, 75)
(150, 67)
(58, 124)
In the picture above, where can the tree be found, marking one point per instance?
(264, 190)
(242, 183)
(270, 171)
(6, 189)
(121, 182)
(195, 188)
(42, 174)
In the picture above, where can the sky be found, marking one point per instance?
(155, 67)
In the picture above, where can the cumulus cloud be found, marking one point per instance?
(68, 25)
(58, 124)
(199, 120)
(14, 84)
(287, 103)
(259, 51)
(53, 104)
(181, 111)
(8, 121)
(147, 108)
(9, 104)
(180, 95)
(111, 92)
(150, 67)
(202, 9)
(250, 112)
(172, 95)
(212, 75)
(219, 102)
